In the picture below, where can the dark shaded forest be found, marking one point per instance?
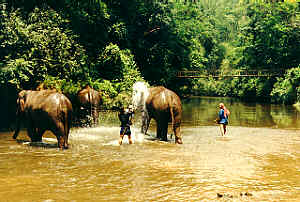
(66, 44)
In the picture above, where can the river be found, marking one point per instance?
(259, 160)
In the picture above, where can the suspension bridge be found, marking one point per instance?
(234, 73)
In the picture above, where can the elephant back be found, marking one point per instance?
(47, 100)
(163, 99)
(88, 96)
(164, 104)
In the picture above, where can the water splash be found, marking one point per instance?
(100, 134)
(137, 137)
(140, 93)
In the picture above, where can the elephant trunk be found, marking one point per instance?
(19, 114)
(18, 125)
(90, 101)
(145, 121)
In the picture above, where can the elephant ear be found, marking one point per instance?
(22, 104)
(21, 101)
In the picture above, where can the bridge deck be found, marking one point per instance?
(236, 73)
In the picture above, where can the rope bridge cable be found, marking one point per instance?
(236, 73)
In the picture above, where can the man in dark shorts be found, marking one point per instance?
(125, 117)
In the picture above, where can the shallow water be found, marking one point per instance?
(260, 157)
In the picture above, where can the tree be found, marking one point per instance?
(272, 37)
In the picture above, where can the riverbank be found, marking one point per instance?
(281, 90)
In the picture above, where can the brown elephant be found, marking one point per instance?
(44, 110)
(161, 104)
(89, 102)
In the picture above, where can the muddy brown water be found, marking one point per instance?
(260, 157)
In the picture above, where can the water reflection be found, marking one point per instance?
(202, 111)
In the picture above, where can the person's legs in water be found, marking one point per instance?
(121, 139)
(128, 133)
(222, 129)
(129, 139)
(122, 133)
(125, 131)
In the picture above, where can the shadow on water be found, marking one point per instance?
(37, 144)
(150, 137)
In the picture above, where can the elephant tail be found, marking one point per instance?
(90, 101)
(172, 119)
(67, 121)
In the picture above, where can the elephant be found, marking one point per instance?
(44, 110)
(161, 104)
(89, 102)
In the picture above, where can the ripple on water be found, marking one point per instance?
(262, 161)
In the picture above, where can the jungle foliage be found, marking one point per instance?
(66, 44)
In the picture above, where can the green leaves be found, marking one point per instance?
(39, 46)
(112, 44)
(286, 90)
(268, 38)
(118, 65)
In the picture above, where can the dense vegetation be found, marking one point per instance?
(66, 44)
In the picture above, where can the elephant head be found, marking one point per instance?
(21, 102)
(20, 112)
(140, 92)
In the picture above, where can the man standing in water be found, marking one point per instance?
(125, 117)
(223, 118)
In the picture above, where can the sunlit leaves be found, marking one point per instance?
(286, 89)
(270, 40)
(42, 41)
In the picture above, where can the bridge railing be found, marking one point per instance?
(234, 73)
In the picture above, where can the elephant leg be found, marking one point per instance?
(31, 134)
(36, 132)
(60, 142)
(145, 126)
(164, 131)
(84, 117)
(17, 129)
(31, 131)
(16, 133)
(39, 134)
(145, 122)
(90, 117)
(95, 117)
(178, 138)
(66, 136)
(159, 130)
(61, 136)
